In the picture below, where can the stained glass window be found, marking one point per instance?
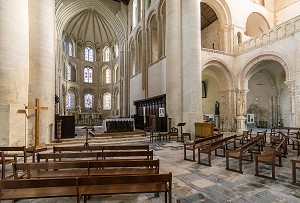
(71, 48)
(89, 54)
(88, 74)
(68, 101)
(69, 71)
(88, 101)
(107, 101)
(107, 75)
(106, 54)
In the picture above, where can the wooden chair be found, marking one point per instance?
(5, 160)
(173, 133)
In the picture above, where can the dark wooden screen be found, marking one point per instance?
(152, 106)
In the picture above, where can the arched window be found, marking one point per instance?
(68, 101)
(88, 74)
(107, 101)
(69, 71)
(134, 13)
(88, 101)
(117, 51)
(107, 75)
(71, 48)
(106, 54)
(89, 53)
(116, 75)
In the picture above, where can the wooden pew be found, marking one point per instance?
(295, 166)
(214, 146)
(126, 184)
(122, 167)
(147, 155)
(198, 143)
(269, 158)
(50, 169)
(38, 188)
(82, 168)
(80, 156)
(238, 154)
(89, 156)
(60, 149)
(125, 147)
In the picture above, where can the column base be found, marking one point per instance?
(241, 123)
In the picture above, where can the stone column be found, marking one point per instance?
(191, 64)
(14, 70)
(173, 61)
(241, 111)
(42, 66)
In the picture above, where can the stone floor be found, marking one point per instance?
(197, 183)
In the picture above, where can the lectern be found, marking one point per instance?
(181, 135)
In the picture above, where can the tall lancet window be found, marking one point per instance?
(69, 69)
(71, 48)
(107, 75)
(88, 75)
(68, 101)
(106, 54)
(88, 101)
(107, 101)
(89, 54)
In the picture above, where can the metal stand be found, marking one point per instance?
(86, 144)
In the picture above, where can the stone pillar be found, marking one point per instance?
(42, 66)
(191, 64)
(173, 61)
(14, 70)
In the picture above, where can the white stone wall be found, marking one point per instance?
(288, 11)
(210, 36)
(136, 92)
(157, 78)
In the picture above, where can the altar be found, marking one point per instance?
(118, 125)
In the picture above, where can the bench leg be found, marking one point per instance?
(241, 164)
(227, 162)
(166, 197)
(273, 171)
(194, 159)
(256, 166)
(294, 173)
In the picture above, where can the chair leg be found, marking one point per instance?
(273, 171)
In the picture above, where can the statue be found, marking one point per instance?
(240, 107)
(217, 108)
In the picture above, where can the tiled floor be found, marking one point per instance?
(197, 183)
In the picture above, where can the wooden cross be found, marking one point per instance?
(37, 108)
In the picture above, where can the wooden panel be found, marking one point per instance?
(204, 129)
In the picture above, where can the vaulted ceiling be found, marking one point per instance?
(126, 2)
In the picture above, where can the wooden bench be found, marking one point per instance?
(38, 188)
(60, 149)
(122, 167)
(5, 160)
(50, 169)
(147, 155)
(213, 146)
(86, 186)
(238, 154)
(269, 158)
(198, 143)
(88, 156)
(82, 168)
(295, 166)
(126, 184)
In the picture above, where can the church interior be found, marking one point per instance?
(127, 72)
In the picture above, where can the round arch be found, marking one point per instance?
(255, 61)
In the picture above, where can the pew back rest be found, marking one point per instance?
(126, 154)
(61, 149)
(125, 147)
(19, 151)
(250, 144)
(67, 156)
